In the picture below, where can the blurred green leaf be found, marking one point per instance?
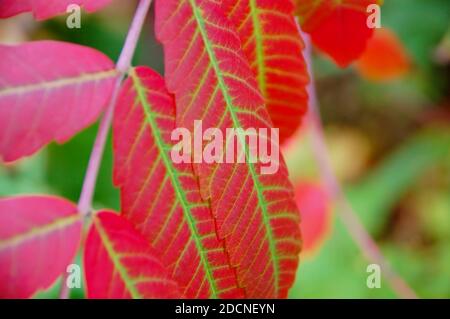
(67, 167)
(374, 197)
(25, 176)
(421, 25)
(339, 268)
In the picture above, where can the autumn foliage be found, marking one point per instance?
(385, 57)
(209, 230)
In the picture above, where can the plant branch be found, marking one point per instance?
(350, 219)
(122, 66)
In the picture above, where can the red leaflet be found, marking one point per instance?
(272, 43)
(39, 237)
(49, 91)
(212, 80)
(339, 28)
(315, 211)
(161, 197)
(119, 262)
(385, 57)
(44, 9)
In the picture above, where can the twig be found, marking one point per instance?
(350, 219)
(122, 66)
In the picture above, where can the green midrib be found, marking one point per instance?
(116, 261)
(175, 182)
(39, 231)
(261, 74)
(58, 83)
(229, 104)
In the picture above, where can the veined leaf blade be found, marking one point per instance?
(212, 81)
(119, 262)
(39, 236)
(49, 91)
(272, 43)
(162, 198)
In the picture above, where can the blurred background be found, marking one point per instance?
(388, 137)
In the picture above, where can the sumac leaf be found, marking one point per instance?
(272, 43)
(44, 9)
(385, 57)
(49, 91)
(119, 262)
(212, 81)
(338, 28)
(161, 197)
(39, 237)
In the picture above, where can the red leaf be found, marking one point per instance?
(385, 58)
(272, 43)
(39, 237)
(119, 262)
(44, 9)
(315, 212)
(162, 197)
(212, 81)
(339, 28)
(49, 91)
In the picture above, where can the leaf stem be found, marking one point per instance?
(349, 217)
(122, 66)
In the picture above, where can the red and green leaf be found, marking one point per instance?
(119, 262)
(51, 98)
(44, 9)
(39, 237)
(161, 197)
(272, 43)
(338, 27)
(212, 80)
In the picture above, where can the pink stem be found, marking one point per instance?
(122, 66)
(362, 238)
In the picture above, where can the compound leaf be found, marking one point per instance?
(39, 236)
(162, 198)
(49, 91)
(272, 43)
(212, 81)
(119, 262)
